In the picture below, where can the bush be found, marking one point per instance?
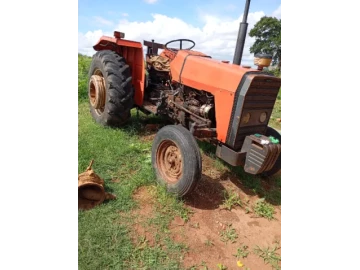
(83, 69)
(273, 71)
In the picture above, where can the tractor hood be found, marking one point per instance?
(201, 72)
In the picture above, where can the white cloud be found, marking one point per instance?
(124, 14)
(150, 1)
(102, 21)
(277, 13)
(217, 37)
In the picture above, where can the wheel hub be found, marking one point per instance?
(97, 92)
(169, 161)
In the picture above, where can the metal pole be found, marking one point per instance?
(241, 36)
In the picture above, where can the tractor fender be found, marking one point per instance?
(132, 51)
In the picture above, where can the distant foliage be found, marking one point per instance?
(267, 33)
(275, 71)
(83, 69)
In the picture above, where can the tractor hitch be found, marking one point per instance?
(258, 154)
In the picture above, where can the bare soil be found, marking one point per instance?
(202, 232)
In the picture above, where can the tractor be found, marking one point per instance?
(226, 104)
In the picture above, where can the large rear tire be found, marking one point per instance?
(277, 166)
(110, 89)
(176, 159)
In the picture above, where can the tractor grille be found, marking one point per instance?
(255, 96)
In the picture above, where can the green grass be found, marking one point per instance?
(221, 266)
(83, 69)
(276, 113)
(229, 234)
(104, 240)
(264, 209)
(231, 199)
(269, 256)
(242, 252)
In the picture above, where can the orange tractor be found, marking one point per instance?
(226, 104)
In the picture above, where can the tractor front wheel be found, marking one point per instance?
(176, 159)
(277, 166)
(110, 89)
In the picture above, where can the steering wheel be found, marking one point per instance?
(181, 41)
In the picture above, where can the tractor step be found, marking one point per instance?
(150, 107)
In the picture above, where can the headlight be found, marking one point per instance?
(263, 117)
(245, 119)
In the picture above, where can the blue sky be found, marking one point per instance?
(188, 10)
(211, 24)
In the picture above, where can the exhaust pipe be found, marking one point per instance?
(241, 36)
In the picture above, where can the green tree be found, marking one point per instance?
(267, 33)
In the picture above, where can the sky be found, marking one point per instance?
(212, 24)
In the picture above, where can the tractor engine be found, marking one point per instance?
(184, 105)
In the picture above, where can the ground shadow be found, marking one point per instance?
(141, 124)
(268, 188)
(208, 194)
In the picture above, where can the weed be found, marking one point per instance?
(242, 252)
(231, 199)
(229, 234)
(208, 243)
(204, 264)
(221, 266)
(197, 266)
(269, 256)
(264, 209)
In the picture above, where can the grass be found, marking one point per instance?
(124, 162)
(221, 266)
(201, 266)
(269, 256)
(231, 199)
(229, 234)
(208, 243)
(242, 252)
(276, 114)
(83, 67)
(264, 209)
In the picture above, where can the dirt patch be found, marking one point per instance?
(202, 232)
(202, 235)
(137, 219)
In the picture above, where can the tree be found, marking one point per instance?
(267, 33)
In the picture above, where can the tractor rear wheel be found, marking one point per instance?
(176, 159)
(277, 166)
(110, 89)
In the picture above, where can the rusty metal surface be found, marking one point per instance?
(230, 156)
(169, 161)
(205, 133)
(97, 91)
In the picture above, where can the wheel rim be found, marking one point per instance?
(97, 91)
(169, 161)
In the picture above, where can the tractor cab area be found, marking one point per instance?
(161, 62)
